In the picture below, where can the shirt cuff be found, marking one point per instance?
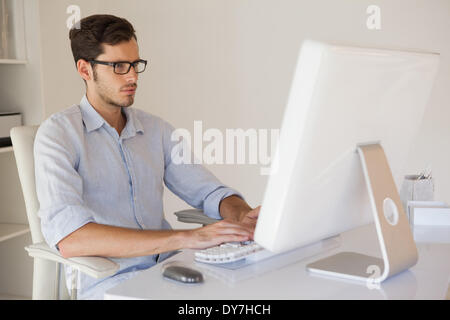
(63, 223)
(212, 201)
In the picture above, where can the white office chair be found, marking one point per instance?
(47, 262)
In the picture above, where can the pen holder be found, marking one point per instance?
(415, 189)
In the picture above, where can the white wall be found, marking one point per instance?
(20, 90)
(21, 85)
(229, 63)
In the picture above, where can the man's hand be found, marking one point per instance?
(251, 217)
(234, 208)
(238, 225)
(218, 233)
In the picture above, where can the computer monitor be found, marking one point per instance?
(322, 181)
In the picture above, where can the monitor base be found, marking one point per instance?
(394, 234)
(349, 265)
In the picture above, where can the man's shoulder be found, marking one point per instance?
(149, 120)
(144, 115)
(62, 122)
(69, 113)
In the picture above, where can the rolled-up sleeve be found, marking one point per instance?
(59, 187)
(192, 182)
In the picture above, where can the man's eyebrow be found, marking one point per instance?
(139, 59)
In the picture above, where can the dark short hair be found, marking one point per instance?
(93, 31)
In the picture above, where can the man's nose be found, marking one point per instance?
(132, 76)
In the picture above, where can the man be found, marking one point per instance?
(100, 168)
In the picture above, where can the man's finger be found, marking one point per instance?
(254, 213)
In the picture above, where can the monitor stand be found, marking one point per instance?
(394, 234)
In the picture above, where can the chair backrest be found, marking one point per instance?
(44, 271)
(23, 145)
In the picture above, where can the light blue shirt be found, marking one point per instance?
(86, 172)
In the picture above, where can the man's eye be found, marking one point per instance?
(121, 66)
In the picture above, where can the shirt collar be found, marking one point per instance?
(133, 124)
(93, 120)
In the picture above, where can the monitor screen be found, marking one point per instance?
(340, 97)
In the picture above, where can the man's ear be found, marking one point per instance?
(85, 69)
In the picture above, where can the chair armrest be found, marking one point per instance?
(194, 216)
(96, 267)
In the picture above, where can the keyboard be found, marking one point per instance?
(231, 252)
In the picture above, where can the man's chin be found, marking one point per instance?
(124, 103)
(129, 102)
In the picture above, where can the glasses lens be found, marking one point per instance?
(121, 68)
(124, 68)
(139, 66)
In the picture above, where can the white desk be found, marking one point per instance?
(428, 279)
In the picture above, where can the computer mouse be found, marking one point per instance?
(182, 274)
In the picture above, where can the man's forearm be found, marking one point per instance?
(108, 241)
(233, 208)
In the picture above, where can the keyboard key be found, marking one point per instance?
(228, 252)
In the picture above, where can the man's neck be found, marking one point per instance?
(112, 115)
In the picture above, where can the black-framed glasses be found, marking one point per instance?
(123, 67)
